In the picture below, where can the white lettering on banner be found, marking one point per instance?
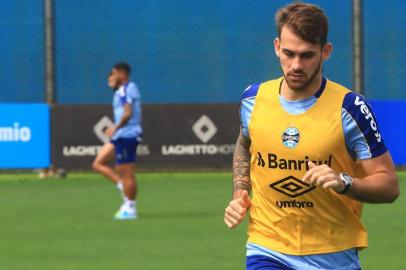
(197, 149)
(93, 150)
(81, 150)
(15, 133)
(143, 150)
(368, 116)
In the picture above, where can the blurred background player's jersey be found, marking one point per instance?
(127, 94)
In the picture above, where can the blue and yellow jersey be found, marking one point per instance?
(336, 127)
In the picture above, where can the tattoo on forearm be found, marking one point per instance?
(241, 164)
(242, 185)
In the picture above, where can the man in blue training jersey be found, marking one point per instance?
(125, 137)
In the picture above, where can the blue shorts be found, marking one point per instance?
(125, 150)
(309, 262)
(260, 262)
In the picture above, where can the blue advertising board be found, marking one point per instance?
(24, 136)
(391, 117)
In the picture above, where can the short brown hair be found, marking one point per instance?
(307, 21)
(123, 66)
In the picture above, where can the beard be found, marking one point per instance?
(299, 80)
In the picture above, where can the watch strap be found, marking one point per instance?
(347, 186)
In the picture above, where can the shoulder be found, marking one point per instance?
(360, 122)
(248, 98)
(337, 89)
(252, 90)
(131, 86)
(356, 104)
(132, 89)
(361, 112)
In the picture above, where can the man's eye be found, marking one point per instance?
(289, 54)
(307, 55)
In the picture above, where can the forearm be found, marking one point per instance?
(241, 165)
(125, 117)
(381, 187)
(123, 121)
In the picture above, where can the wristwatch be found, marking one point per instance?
(347, 179)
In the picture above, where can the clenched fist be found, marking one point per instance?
(323, 176)
(237, 209)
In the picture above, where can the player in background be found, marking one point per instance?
(310, 152)
(125, 137)
(106, 153)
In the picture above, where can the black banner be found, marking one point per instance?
(175, 136)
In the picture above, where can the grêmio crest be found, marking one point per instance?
(290, 137)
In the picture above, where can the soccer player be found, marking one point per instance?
(311, 153)
(125, 137)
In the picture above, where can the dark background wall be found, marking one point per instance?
(182, 51)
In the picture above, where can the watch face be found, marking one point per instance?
(346, 177)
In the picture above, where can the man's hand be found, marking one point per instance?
(110, 131)
(237, 209)
(323, 176)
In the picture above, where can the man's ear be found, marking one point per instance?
(277, 46)
(327, 50)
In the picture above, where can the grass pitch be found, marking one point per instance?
(67, 224)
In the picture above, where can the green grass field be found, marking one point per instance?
(67, 224)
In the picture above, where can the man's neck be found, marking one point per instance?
(125, 82)
(292, 95)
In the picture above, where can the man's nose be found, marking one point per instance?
(297, 64)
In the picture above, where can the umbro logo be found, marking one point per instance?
(291, 186)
